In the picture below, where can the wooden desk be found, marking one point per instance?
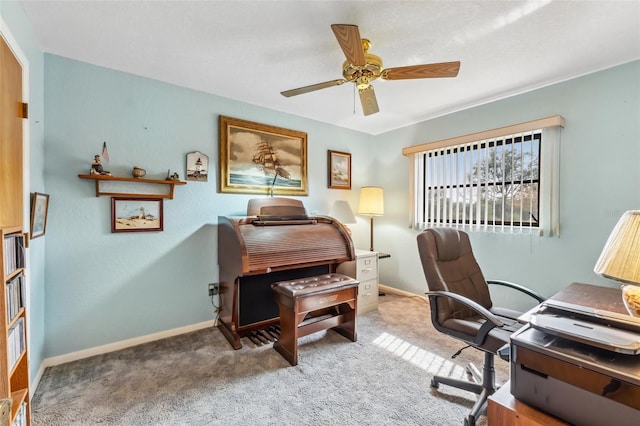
(504, 410)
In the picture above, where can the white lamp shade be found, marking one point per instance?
(341, 211)
(620, 258)
(371, 201)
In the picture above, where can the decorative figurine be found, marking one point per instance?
(96, 167)
(138, 172)
(170, 176)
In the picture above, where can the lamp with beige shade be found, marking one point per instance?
(620, 259)
(371, 204)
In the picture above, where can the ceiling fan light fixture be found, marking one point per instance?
(362, 82)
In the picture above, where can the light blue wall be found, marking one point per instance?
(104, 287)
(17, 25)
(599, 179)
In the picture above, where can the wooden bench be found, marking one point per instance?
(309, 305)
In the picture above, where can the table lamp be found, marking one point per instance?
(620, 259)
(341, 211)
(372, 204)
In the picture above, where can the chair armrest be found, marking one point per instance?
(518, 287)
(492, 321)
(469, 303)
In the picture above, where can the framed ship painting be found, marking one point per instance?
(261, 159)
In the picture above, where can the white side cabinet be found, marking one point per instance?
(365, 270)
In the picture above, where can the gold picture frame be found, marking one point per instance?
(261, 159)
(338, 170)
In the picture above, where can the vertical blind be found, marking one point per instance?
(488, 183)
(501, 180)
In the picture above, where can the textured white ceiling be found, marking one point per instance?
(252, 50)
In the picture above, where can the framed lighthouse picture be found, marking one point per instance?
(136, 214)
(261, 159)
(197, 166)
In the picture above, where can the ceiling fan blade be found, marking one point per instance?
(348, 37)
(443, 69)
(313, 87)
(368, 100)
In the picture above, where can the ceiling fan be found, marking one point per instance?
(362, 67)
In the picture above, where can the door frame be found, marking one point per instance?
(8, 37)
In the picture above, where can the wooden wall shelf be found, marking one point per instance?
(102, 178)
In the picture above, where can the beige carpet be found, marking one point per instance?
(198, 379)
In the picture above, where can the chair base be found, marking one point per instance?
(484, 389)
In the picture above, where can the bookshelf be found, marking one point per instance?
(14, 365)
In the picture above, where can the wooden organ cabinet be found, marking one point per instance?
(277, 241)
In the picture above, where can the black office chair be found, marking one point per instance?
(461, 307)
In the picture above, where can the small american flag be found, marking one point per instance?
(105, 153)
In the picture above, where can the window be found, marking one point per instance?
(490, 181)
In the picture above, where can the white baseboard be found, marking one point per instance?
(35, 381)
(392, 290)
(111, 347)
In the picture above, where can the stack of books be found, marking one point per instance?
(16, 342)
(15, 288)
(13, 252)
(21, 416)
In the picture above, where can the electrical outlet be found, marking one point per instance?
(213, 289)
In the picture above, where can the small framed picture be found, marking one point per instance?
(197, 166)
(39, 209)
(136, 214)
(339, 170)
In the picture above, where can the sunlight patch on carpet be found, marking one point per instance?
(417, 356)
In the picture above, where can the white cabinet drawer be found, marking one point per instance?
(367, 296)
(367, 292)
(367, 268)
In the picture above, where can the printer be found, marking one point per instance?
(579, 364)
